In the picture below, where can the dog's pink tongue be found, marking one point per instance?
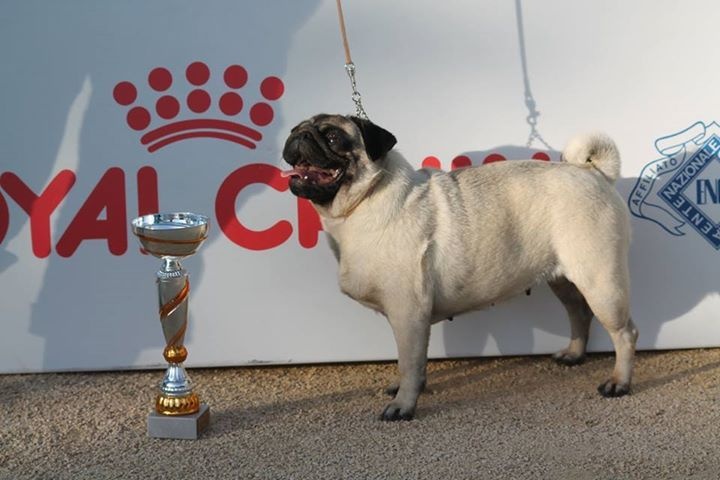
(290, 173)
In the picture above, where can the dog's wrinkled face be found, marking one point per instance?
(329, 151)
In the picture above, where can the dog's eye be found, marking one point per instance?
(332, 137)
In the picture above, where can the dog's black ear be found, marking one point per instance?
(378, 141)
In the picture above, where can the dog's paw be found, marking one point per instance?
(394, 412)
(611, 389)
(568, 359)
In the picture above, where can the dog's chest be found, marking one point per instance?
(358, 278)
(360, 275)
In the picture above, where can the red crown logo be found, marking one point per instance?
(198, 102)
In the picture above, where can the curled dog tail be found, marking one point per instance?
(595, 150)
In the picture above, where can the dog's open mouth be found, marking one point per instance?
(313, 174)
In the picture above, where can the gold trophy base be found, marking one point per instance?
(167, 405)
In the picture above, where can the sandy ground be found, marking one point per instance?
(519, 417)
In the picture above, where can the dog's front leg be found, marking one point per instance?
(412, 333)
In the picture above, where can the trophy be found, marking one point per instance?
(172, 237)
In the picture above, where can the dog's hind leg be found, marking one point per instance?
(580, 316)
(608, 297)
(624, 338)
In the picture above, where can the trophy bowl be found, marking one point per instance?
(171, 234)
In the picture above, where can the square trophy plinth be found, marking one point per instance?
(186, 427)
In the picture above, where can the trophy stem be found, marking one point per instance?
(176, 396)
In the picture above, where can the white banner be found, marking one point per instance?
(115, 109)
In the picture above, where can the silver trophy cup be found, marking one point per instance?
(172, 237)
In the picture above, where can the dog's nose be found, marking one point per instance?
(291, 152)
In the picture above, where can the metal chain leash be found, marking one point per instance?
(356, 97)
(350, 66)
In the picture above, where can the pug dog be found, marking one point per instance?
(421, 246)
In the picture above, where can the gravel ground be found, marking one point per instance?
(516, 417)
